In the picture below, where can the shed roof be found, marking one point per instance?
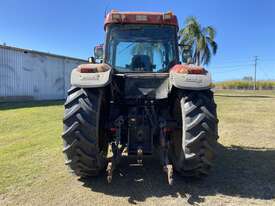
(39, 52)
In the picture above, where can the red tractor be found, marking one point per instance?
(139, 99)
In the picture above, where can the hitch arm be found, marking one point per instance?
(164, 146)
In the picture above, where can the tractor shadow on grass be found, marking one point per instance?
(238, 171)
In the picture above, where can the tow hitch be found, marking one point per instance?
(117, 149)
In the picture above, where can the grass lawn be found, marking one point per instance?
(32, 170)
(251, 93)
(28, 141)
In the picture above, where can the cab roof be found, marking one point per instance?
(156, 18)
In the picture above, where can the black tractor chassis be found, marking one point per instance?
(138, 125)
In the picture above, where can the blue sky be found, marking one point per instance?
(245, 28)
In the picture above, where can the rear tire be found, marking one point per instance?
(83, 136)
(192, 146)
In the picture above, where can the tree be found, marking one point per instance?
(199, 40)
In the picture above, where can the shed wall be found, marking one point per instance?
(34, 75)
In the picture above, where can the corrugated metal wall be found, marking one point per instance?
(34, 75)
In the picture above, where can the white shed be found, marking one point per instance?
(28, 74)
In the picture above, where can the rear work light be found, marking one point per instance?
(87, 70)
(113, 129)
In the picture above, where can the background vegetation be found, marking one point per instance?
(247, 85)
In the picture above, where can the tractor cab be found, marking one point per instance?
(141, 42)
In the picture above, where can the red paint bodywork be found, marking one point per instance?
(130, 18)
(188, 69)
(92, 68)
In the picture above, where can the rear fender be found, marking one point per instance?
(190, 79)
(91, 75)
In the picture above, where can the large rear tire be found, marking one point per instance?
(192, 146)
(83, 136)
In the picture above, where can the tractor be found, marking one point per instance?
(140, 100)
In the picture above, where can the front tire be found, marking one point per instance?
(192, 148)
(83, 132)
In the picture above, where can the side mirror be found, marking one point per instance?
(98, 52)
(91, 60)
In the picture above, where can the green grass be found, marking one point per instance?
(246, 118)
(32, 170)
(245, 93)
(29, 137)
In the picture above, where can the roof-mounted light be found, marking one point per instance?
(158, 18)
(168, 15)
(141, 18)
(116, 16)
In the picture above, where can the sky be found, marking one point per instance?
(245, 28)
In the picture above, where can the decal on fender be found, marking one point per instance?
(93, 77)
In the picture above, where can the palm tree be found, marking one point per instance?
(199, 40)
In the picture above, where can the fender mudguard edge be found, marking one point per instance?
(99, 78)
(190, 81)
